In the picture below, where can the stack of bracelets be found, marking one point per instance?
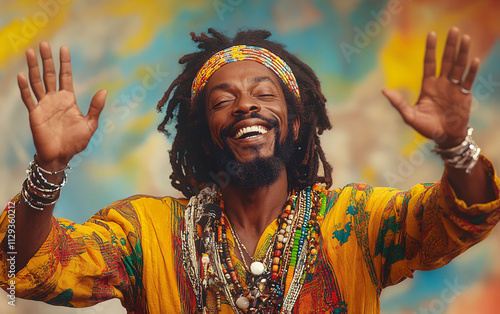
(462, 156)
(37, 191)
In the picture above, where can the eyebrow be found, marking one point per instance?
(259, 79)
(220, 86)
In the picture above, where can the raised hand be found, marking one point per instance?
(442, 110)
(59, 129)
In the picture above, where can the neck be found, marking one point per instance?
(250, 212)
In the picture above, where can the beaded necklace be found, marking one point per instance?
(273, 283)
(256, 267)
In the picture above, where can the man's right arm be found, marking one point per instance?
(78, 265)
(59, 131)
(32, 227)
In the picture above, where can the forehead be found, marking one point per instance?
(241, 71)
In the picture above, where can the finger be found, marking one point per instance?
(460, 64)
(24, 88)
(65, 72)
(400, 103)
(430, 55)
(471, 75)
(450, 51)
(49, 71)
(34, 74)
(96, 105)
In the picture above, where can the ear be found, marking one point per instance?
(296, 127)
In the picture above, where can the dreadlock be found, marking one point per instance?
(190, 169)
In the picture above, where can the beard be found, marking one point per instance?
(261, 172)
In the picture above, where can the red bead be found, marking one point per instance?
(274, 276)
(277, 253)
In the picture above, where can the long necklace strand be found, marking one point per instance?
(280, 275)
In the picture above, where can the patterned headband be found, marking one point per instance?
(241, 53)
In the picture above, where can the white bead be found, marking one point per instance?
(257, 268)
(205, 259)
(242, 302)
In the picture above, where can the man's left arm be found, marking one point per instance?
(443, 221)
(475, 187)
(442, 114)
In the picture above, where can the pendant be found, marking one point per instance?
(242, 302)
(262, 285)
(257, 268)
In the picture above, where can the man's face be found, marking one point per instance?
(235, 92)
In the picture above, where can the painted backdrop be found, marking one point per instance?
(356, 48)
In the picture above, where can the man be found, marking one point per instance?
(267, 239)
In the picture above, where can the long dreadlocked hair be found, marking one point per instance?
(191, 170)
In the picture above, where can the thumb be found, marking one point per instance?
(399, 102)
(96, 105)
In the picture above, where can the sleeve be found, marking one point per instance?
(80, 265)
(425, 227)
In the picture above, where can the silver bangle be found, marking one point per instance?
(35, 201)
(49, 172)
(35, 174)
(463, 156)
(37, 191)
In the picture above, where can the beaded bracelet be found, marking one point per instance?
(463, 156)
(49, 172)
(42, 185)
(35, 201)
(37, 191)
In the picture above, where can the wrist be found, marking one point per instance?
(462, 156)
(450, 142)
(53, 171)
(42, 188)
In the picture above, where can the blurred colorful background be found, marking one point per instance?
(131, 48)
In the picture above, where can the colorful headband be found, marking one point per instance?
(241, 53)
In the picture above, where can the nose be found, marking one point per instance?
(245, 104)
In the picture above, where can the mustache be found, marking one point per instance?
(225, 131)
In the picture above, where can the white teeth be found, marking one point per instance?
(254, 128)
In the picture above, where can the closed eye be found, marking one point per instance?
(266, 96)
(221, 103)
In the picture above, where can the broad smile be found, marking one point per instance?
(251, 137)
(250, 131)
(249, 128)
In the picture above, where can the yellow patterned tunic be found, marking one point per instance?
(371, 238)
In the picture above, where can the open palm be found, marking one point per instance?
(442, 110)
(59, 129)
